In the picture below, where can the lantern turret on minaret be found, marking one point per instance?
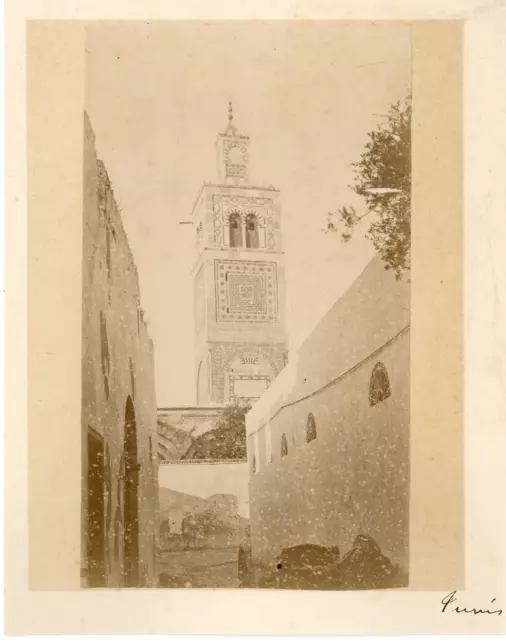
(239, 280)
(233, 154)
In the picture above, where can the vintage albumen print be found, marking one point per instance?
(246, 305)
(246, 316)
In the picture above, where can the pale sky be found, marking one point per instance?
(211, 479)
(306, 93)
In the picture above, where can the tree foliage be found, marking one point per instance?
(384, 164)
(226, 440)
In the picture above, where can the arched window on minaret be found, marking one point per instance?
(252, 238)
(235, 230)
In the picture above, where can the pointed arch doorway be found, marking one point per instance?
(130, 498)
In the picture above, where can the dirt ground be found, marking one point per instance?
(200, 568)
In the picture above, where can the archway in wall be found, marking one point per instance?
(95, 528)
(131, 490)
(252, 237)
(235, 230)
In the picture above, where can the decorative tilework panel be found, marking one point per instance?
(224, 353)
(248, 386)
(263, 207)
(236, 171)
(246, 291)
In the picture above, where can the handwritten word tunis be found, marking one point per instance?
(451, 599)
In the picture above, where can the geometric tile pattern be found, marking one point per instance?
(235, 168)
(223, 355)
(253, 384)
(246, 291)
(263, 207)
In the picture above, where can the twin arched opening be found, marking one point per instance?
(251, 236)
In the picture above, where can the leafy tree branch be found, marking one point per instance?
(385, 163)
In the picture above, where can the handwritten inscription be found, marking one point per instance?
(451, 599)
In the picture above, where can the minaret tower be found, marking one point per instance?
(239, 280)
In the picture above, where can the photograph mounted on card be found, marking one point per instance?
(245, 326)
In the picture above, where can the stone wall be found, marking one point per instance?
(354, 475)
(118, 399)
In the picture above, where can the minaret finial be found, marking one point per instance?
(231, 130)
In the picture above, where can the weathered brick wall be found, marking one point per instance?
(117, 364)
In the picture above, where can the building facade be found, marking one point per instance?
(119, 430)
(239, 281)
(328, 443)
